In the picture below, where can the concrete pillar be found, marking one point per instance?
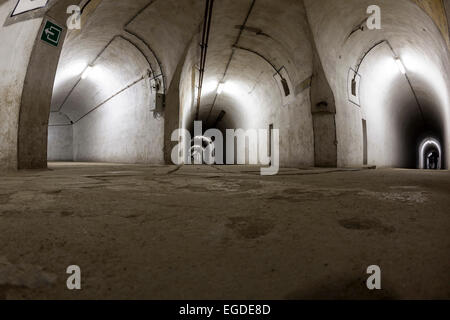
(16, 45)
(28, 69)
(323, 111)
(172, 110)
(36, 100)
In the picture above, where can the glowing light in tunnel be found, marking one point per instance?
(69, 71)
(430, 75)
(75, 69)
(400, 65)
(429, 142)
(411, 62)
(220, 88)
(384, 70)
(209, 87)
(105, 79)
(212, 87)
(233, 88)
(87, 72)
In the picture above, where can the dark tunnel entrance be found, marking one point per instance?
(399, 115)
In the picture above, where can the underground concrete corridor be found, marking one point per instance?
(225, 149)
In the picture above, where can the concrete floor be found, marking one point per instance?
(223, 232)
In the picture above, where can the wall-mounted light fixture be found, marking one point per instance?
(400, 65)
(86, 72)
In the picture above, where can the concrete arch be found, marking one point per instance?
(111, 31)
(254, 45)
(415, 39)
(429, 142)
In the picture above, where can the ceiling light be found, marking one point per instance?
(400, 65)
(86, 72)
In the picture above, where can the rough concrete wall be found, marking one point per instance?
(296, 132)
(112, 110)
(60, 138)
(60, 143)
(17, 42)
(436, 10)
(253, 100)
(324, 139)
(122, 130)
(293, 120)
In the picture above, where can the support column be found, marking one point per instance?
(323, 109)
(37, 95)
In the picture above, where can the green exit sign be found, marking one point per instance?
(51, 33)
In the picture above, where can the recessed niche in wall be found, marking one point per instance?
(354, 80)
(285, 85)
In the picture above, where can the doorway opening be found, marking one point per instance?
(430, 155)
(365, 147)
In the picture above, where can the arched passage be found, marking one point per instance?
(430, 154)
(257, 75)
(116, 113)
(398, 108)
(396, 120)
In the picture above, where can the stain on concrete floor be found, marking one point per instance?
(250, 227)
(366, 224)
